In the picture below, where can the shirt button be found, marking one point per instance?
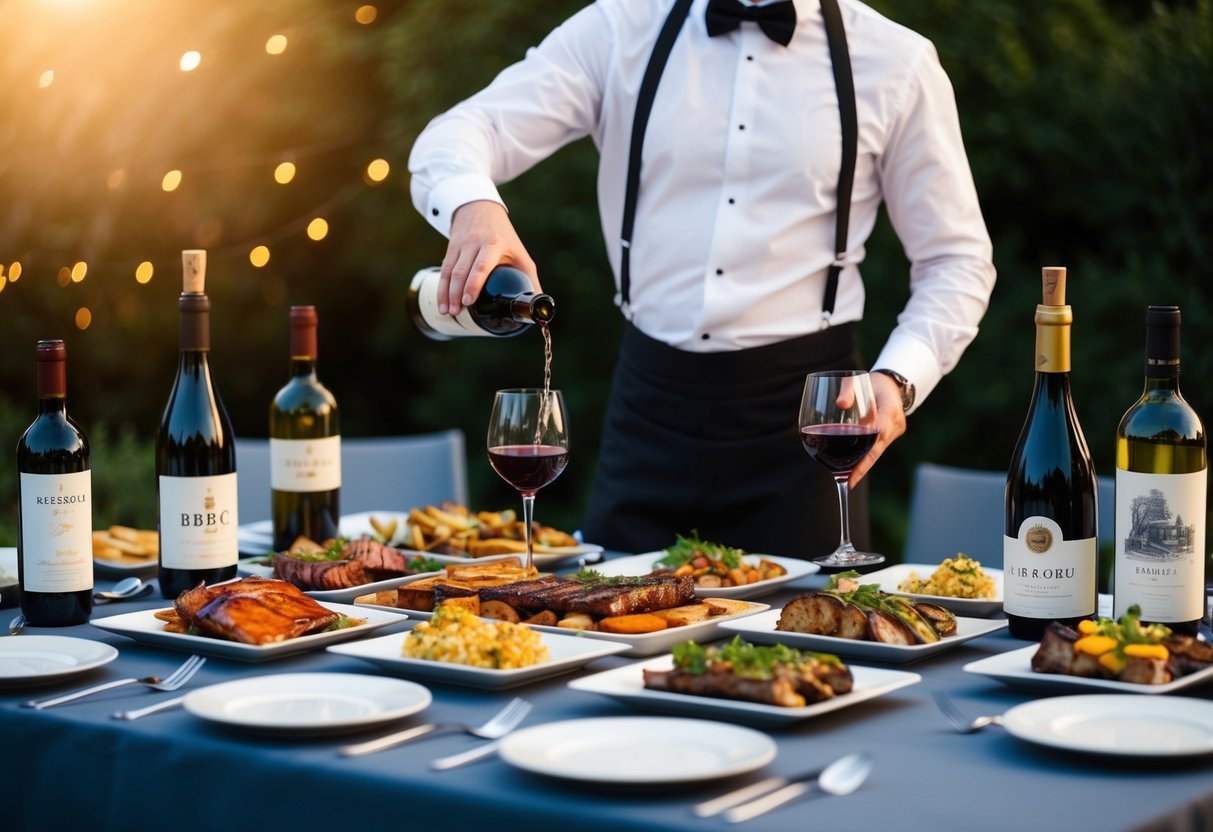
(705, 336)
(434, 212)
(749, 57)
(720, 271)
(741, 127)
(732, 201)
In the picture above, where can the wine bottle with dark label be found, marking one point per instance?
(305, 444)
(55, 494)
(1050, 549)
(1161, 481)
(507, 305)
(195, 456)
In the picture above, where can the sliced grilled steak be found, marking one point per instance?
(568, 595)
(319, 574)
(376, 557)
(777, 691)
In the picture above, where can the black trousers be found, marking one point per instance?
(709, 442)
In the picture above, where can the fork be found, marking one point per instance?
(497, 726)
(961, 722)
(173, 681)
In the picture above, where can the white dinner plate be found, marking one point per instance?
(110, 568)
(257, 538)
(761, 630)
(1118, 725)
(31, 660)
(637, 750)
(626, 684)
(308, 703)
(1014, 668)
(145, 628)
(567, 653)
(346, 595)
(10, 593)
(891, 576)
(644, 564)
(663, 641)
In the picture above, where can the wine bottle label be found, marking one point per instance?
(1160, 533)
(445, 325)
(1045, 575)
(198, 522)
(57, 532)
(305, 464)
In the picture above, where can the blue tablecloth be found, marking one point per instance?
(74, 766)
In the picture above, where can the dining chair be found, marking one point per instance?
(377, 474)
(962, 510)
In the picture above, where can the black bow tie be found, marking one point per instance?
(777, 20)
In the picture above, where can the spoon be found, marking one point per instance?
(16, 625)
(126, 588)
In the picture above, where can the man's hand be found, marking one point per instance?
(482, 238)
(890, 423)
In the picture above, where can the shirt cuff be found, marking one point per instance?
(914, 360)
(452, 193)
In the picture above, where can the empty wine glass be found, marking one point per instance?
(528, 444)
(837, 428)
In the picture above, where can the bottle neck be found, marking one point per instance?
(535, 309)
(1053, 339)
(303, 366)
(195, 322)
(48, 405)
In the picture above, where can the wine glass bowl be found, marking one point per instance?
(528, 445)
(837, 429)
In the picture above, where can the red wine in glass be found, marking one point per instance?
(839, 447)
(528, 467)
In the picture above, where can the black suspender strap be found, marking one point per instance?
(844, 86)
(640, 121)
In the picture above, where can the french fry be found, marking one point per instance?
(386, 529)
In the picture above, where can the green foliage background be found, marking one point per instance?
(1083, 119)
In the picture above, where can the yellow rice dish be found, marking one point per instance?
(958, 577)
(457, 636)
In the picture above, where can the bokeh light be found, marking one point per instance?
(83, 318)
(318, 228)
(190, 61)
(259, 256)
(276, 45)
(79, 271)
(144, 271)
(3, 282)
(377, 171)
(46, 79)
(64, 276)
(116, 179)
(366, 14)
(14, 272)
(171, 180)
(284, 173)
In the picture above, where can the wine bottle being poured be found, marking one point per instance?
(507, 305)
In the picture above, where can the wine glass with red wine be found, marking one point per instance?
(528, 444)
(837, 428)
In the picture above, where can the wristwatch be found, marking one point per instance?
(905, 385)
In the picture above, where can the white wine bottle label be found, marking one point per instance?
(425, 284)
(305, 464)
(1160, 533)
(1045, 575)
(57, 532)
(198, 522)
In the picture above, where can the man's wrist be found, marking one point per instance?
(903, 384)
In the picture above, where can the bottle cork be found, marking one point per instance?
(1053, 280)
(193, 266)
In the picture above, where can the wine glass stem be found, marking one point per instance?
(844, 515)
(528, 512)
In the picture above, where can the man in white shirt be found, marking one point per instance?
(736, 205)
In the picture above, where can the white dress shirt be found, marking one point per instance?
(735, 218)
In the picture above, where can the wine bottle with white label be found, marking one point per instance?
(195, 456)
(55, 494)
(1050, 552)
(1161, 481)
(305, 444)
(507, 305)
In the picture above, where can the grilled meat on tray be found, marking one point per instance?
(600, 599)
(253, 611)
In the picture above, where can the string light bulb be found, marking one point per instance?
(259, 256)
(377, 171)
(276, 44)
(83, 318)
(79, 270)
(171, 181)
(144, 271)
(284, 173)
(190, 60)
(46, 79)
(318, 228)
(366, 14)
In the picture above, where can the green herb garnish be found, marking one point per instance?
(744, 660)
(686, 549)
(592, 577)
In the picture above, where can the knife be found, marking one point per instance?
(840, 777)
(713, 807)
